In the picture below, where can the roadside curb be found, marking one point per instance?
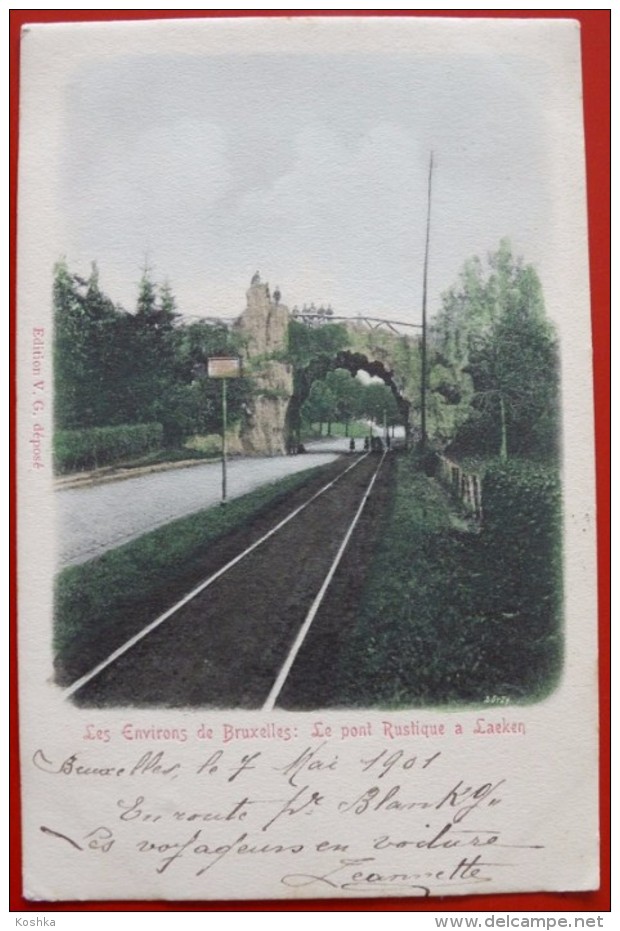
(119, 474)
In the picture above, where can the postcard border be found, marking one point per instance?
(596, 33)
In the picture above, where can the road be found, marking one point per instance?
(268, 631)
(100, 517)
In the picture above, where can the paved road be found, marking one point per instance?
(101, 517)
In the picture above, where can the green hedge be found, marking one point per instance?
(522, 534)
(98, 446)
(450, 616)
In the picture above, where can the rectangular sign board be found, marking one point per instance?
(224, 367)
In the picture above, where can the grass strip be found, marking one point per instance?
(356, 430)
(438, 624)
(99, 604)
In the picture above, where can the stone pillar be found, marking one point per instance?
(264, 329)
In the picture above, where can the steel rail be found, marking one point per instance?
(87, 677)
(316, 604)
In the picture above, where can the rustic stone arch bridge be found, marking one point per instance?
(387, 349)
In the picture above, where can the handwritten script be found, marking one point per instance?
(318, 818)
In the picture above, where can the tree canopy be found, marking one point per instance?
(113, 367)
(340, 397)
(494, 361)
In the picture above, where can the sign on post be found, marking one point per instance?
(224, 367)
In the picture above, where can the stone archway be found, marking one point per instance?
(352, 362)
(273, 417)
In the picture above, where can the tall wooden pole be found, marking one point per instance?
(424, 386)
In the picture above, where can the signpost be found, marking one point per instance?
(224, 367)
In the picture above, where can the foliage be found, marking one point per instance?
(112, 367)
(308, 345)
(494, 363)
(522, 532)
(340, 397)
(450, 617)
(98, 446)
(347, 392)
(89, 371)
(377, 403)
(320, 406)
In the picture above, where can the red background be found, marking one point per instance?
(595, 33)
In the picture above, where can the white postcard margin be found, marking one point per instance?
(534, 785)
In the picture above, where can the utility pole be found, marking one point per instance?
(424, 385)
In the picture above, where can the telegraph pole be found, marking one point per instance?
(423, 387)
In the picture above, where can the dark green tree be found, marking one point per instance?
(320, 406)
(152, 344)
(198, 406)
(112, 367)
(379, 404)
(86, 342)
(348, 393)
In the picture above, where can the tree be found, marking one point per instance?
(68, 347)
(153, 343)
(199, 408)
(320, 406)
(347, 392)
(86, 343)
(495, 358)
(379, 404)
(307, 345)
(113, 367)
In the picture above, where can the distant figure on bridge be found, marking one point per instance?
(352, 445)
(277, 295)
(255, 278)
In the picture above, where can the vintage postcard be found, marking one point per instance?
(306, 499)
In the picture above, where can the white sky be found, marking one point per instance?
(311, 168)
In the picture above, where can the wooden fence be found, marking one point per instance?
(466, 487)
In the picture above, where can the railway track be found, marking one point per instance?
(233, 640)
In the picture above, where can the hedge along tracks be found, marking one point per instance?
(125, 647)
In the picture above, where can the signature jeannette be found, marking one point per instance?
(361, 874)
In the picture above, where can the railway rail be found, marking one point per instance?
(136, 643)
